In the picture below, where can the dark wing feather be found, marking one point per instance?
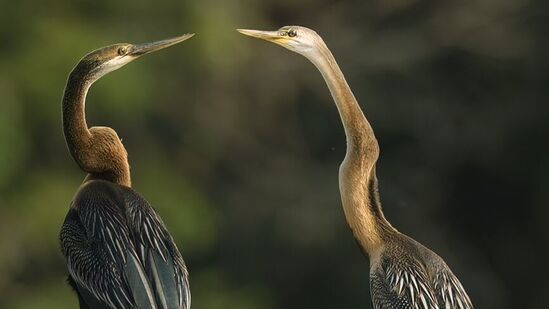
(139, 283)
(162, 260)
(399, 283)
(450, 292)
(95, 252)
(119, 253)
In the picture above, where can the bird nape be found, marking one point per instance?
(118, 251)
(403, 273)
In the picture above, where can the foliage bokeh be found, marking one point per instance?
(237, 143)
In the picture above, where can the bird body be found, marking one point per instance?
(406, 274)
(118, 251)
(403, 273)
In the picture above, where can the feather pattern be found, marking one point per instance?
(119, 253)
(410, 276)
(450, 292)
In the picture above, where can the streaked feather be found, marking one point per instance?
(119, 253)
(410, 276)
(450, 292)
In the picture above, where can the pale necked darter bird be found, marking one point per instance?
(118, 251)
(403, 273)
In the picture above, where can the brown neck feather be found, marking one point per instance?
(357, 177)
(98, 150)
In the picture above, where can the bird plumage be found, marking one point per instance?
(119, 252)
(403, 273)
(409, 275)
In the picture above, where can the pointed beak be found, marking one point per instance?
(271, 36)
(142, 49)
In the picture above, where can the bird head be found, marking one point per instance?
(298, 39)
(107, 59)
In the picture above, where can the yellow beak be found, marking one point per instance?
(271, 36)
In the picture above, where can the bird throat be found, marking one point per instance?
(102, 156)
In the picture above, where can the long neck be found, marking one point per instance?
(357, 177)
(77, 134)
(102, 156)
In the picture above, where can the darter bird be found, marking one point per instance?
(403, 273)
(118, 251)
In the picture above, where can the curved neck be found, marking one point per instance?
(100, 155)
(357, 177)
(357, 129)
(77, 134)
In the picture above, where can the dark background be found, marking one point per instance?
(237, 142)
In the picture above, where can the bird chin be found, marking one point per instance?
(111, 65)
(300, 49)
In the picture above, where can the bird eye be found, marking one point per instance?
(292, 33)
(122, 50)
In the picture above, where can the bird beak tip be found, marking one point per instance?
(243, 31)
(183, 37)
(146, 48)
(265, 35)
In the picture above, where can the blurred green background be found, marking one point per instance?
(237, 143)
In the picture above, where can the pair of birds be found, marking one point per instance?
(119, 253)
